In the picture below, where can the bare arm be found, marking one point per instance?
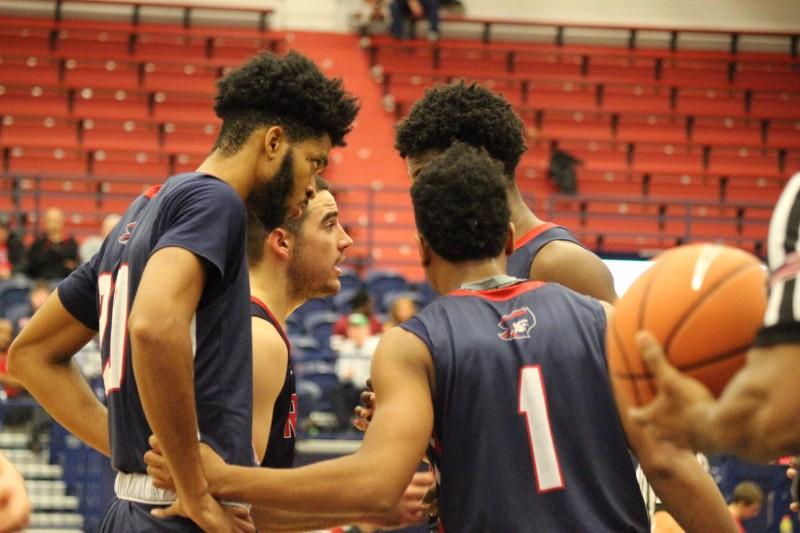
(687, 490)
(41, 360)
(574, 267)
(755, 417)
(270, 359)
(372, 480)
(163, 363)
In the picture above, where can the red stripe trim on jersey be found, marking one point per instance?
(503, 293)
(152, 191)
(535, 232)
(275, 321)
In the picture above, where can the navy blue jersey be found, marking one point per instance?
(527, 246)
(204, 215)
(527, 437)
(280, 446)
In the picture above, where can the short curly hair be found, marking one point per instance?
(461, 206)
(282, 90)
(467, 113)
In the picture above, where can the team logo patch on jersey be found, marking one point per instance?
(126, 236)
(517, 324)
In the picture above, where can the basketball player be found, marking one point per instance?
(510, 378)
(756, 415)
(475, 115)
(168, 294)
(15, 506)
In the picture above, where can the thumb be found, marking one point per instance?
(653, 355)
(167, 512)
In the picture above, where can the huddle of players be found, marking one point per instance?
(507, 375)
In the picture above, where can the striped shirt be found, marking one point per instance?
(782, 318)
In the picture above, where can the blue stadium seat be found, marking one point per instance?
(379, 282)
(342, 301)
(350, 280)
(312, 306)
(319, 325)
(13, 292)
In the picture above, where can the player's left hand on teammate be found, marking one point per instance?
(211, 516)
(158, 469)
(791, 473)
(365, 411)
(680, 402)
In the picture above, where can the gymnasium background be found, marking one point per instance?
(683, 116)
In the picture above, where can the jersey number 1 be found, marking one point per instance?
(114, 368)
(533, 406)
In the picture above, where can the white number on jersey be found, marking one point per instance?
(114, 368)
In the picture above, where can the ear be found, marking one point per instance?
(511, 239)
(279, 242)
(275, 142)
(423, 249)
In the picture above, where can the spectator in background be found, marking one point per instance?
(414, 9)
(12, 252)
(402, 309)
(361, 303)
(91, 244)
(354, 358)
(53, 255)
(370, 10)
(746, 502)
(20, 315)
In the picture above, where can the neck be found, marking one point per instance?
(521, 215)
(237, 170)
(271, 285)
(451, 276)
(54, 236)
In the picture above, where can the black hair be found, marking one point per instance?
(468, 113)
(257, 232)
(460, 205)
(289, 91)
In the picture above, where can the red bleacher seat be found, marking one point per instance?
(770, 80)
(578, 125)
(48, 133)
(28, 71)
(121, 137)
(35, 43)
(652, 128)
(169, 47)
(36, 161)
(669, 159)
(185, 78)
(33, 102)
(195, 111)
(694, 74)
(755, 230)
(120, 105)
(744, 162)
(713, 229)
(638, 71)
(196, 139)
(72, 44)
(711, 103)
(130, 164)
(568, 97)
(636, 99)
(683, 186)
(776, 106)
(598, 156)
(727, 131)
(784, 134)
(753, 194)
(108, 74)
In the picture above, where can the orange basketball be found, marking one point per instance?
(704, 302)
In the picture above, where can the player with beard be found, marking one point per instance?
(289, 265)
(168, 294)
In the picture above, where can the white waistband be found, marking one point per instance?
(139, 488)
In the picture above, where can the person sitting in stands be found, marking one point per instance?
(53, 255)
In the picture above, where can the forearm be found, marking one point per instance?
(690, 495)
(316, 490)
(61, 390)
(163, 365)
(277, 520)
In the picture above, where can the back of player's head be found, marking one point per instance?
(747, 493)
(257, 232)
(289, 91)
(460, 205)
(468, 113)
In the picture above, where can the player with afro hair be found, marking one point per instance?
(475, 115)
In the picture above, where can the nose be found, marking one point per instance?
(346, 241)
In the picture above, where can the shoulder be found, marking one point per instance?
(267, 341)
(575, 267)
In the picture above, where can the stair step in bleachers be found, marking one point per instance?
(56, 521)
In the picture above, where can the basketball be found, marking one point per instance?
(703, 302)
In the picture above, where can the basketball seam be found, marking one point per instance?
(697, 303)
(688, 368)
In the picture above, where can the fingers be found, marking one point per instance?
(241, 519)
(653, 355)
(168, 512)
(368, 398)
(154, 444)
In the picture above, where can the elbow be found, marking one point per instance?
(19, 363)
(146, 331)
(378, 495)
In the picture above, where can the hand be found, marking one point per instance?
(15, 506)
(416, 8)
(158, 469)
(412, 508)
(210, 515)
(791, 473)
(680, 404)
(365, 411)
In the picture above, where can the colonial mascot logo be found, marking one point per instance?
(517, 324)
